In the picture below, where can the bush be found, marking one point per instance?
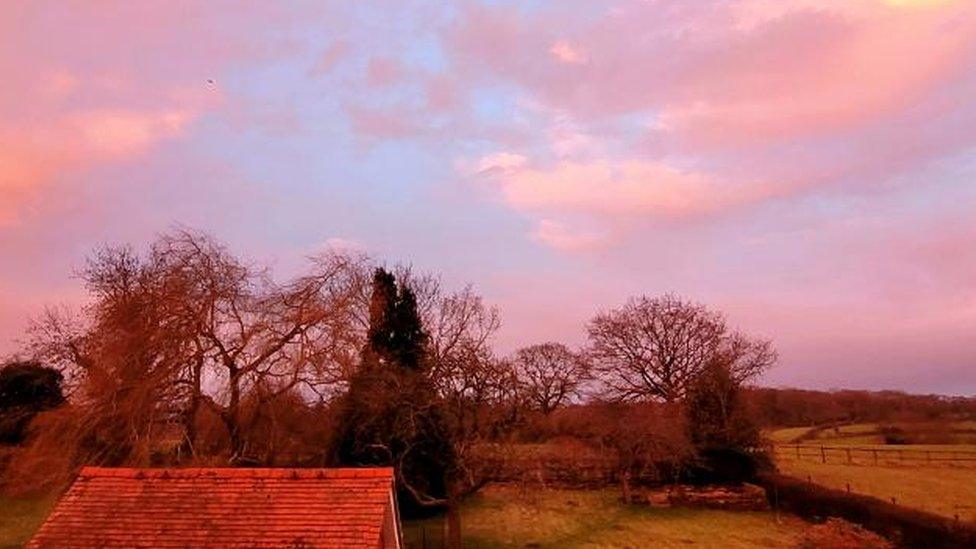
(26, 389)
(894, 435)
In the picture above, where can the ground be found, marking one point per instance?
(20, 517)
(504, 516)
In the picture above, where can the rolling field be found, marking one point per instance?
(952, 433)
(939, 478)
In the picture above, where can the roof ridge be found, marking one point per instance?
(295, 473)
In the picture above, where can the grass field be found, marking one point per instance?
(957, 432)
(509, 517)
(19, 518)
(945, 490)
(787, 435)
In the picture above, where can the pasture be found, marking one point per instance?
(958, 433)
(945, 490)
(939, 478)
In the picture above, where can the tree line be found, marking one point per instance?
(186, 354)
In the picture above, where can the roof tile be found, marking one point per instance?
(198, 507)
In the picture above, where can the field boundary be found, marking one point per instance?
(856, 455)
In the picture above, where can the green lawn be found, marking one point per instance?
(19, 518)
(502, 516)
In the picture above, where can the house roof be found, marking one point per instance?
(221, 507)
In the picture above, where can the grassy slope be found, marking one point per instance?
(19, 518)
(787, 435)
(944, 490)
(508, 517)
(862, 433)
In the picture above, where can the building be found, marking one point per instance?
(321, 508)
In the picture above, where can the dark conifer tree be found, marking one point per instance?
(392, 414)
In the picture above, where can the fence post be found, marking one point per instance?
(823, 455)
(797, 451)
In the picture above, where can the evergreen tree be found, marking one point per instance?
(396, 336)
(392, 414)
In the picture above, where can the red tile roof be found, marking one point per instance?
(220, 508)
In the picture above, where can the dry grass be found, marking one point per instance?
(19, 518)
(957, 432)
(787, 435)
(503, 516)
(944, 490)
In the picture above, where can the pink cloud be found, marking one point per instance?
(382, 123)
(34, 151)
(831, 64)
(443, 93)
(383, 71)
(605, 194)
(567, 53)
(91, 86)
(558, 235)
(755, 100)
(120, 133)
(624, 188)
(330, 57)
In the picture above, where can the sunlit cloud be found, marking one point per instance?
(558, 235)
(623, 188)
(566, 53)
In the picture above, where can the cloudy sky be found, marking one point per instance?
(806, 166)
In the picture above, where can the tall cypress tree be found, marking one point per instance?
(391, 414)
(396, 336)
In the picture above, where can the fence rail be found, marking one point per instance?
(868, 455)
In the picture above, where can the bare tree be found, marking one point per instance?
(551, 375)
(654, 348)
(189, 326)
(251, 333)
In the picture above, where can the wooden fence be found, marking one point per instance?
(861, 455)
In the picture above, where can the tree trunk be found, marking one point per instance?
(190, 415)
(453, 524)
(625, 485)
(232, 416)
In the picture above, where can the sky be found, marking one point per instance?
(808, 167)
